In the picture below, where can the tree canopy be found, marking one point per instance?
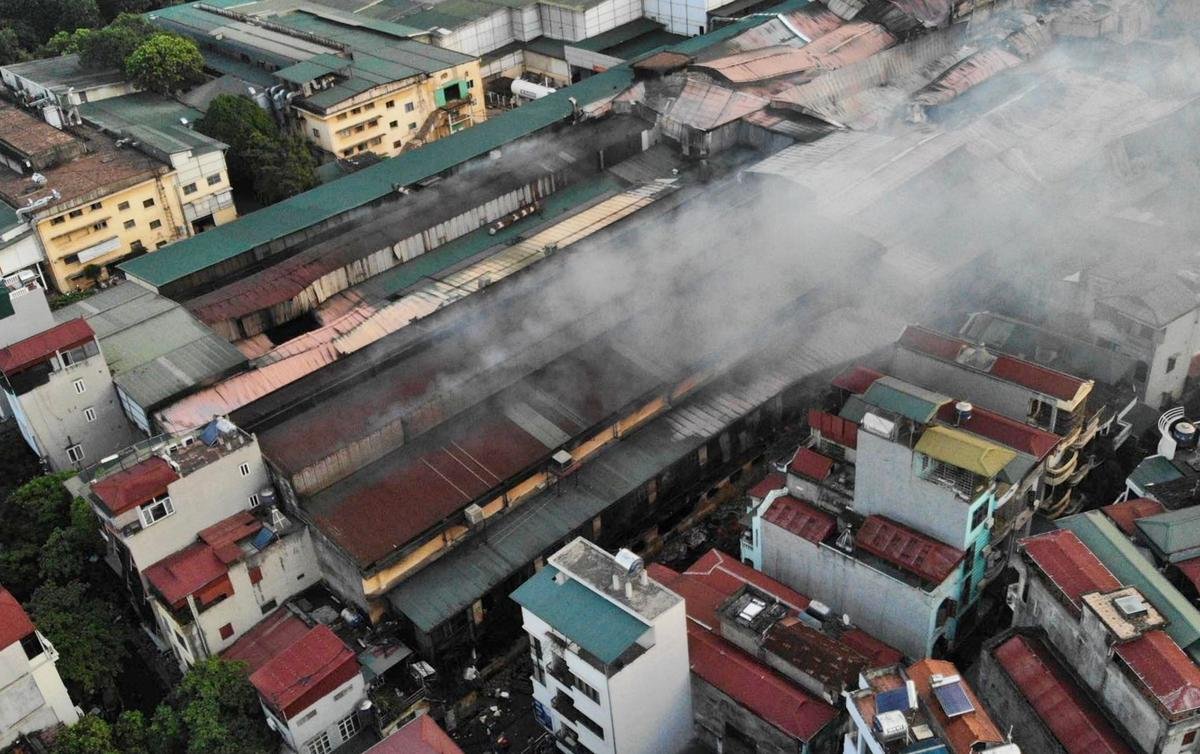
(89, 634)
(165, 63)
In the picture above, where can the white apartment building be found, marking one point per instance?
(32, 695)
(610, 652)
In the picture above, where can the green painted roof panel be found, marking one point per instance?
(591, 621)
(890, 397)
(1173, 531)
(1154, 470)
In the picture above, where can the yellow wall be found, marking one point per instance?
(365, 123)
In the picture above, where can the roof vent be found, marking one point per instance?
(1131, 605)
(891, 725)
(473, 514)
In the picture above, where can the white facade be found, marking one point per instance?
(32, 695)
(326, 724)
(21, 252)
(687, 17)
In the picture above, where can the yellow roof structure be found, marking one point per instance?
(965, 451)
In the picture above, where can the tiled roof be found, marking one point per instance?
(1069, 565)
(907, 549)
(962, 732)
(421, 736)
(1125, 513)
(773, 481)
(186, 572)
(297, 677)
(811, 464)
(135, 485)
(835, 429)
(38, 348)
(14, 621)
(856, 379)
(1167, 673)
(1065, 708)
(756, 687)
(800, 518)
(1003, 430)
(275, 633)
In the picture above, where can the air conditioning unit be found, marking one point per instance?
(473, 514)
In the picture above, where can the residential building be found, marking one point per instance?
(1115, 639)
(154, 498)
(610, 653)
(94, 200)
(56, 87)
(24, 310)
(60, 390)
(21, 254)
(209, 594)
(32, 695)
(421, 736)
(778, 691)
(926, 707)
(349, 85)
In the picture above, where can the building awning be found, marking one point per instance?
(965, 451)
(902, 398)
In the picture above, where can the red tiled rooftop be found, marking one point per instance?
(1069, 565)
(962, 732)
(835, 429)
(809, 463)
(14, 621)
(856, 379)
(727, 574)
(275, 633)
(310, 668)
(773, 481)
(1065, 708)
(908, 549)
(1003, 430)
(800, 518)
(38, 348)
(187, 572)
(1191, 571)
(421, 736)
(756, 687)
(1125, 513)
(1164, 670)
(135, 485)
(701, 600)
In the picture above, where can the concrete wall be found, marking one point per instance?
(962, 383)
(19, 251)
(32, 695)
(1178, 340)
(31, 315)
(715, 711)
(329, 711)
(687, 17)
(1009, 708)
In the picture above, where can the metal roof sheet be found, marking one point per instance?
(596, 624)
(135, 485)
(965, 732)
(275, 633)
(1172, 531)
(857, 379)
(1002, 430)
(1125, 513)
(183, 573)
(800, 518)
(38, 348)
(908, 549)
(809, 463)
(964, 451)
(1170, 676)
(1154, 470)
(14, 621)
(1115, 550)
(905, 399)
(1065, 708)
(1069, 565)
(311, 667)
(420, 736)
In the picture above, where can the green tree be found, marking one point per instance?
(19, 569)
(282, 168)
(88, 633)
(111, 46)
(165, 63)
(235, 120)
(91, 735)
(220, 710)
(11, 50)
(131, 734)
(65, 42)
(60, 560)
(166, 731)
(34, 510)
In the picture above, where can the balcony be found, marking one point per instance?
(1060, 472)
(559, 671)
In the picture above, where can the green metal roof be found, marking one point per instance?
(618, 35)
(1154, 470)
(152, 119)
(645, 43)
(597, 625)
(304, 210)
(1174, 531)
(901, 398)
(8, 217)
(315, 67)
(1115, 550)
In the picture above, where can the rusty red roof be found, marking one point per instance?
(421, 736)
(1125, 513)
(839, 47)
(135, 485)
(1065, 708)
(835, 429)
(1003, 430)
(727, 575)
(14, 621)
(880, 654)
(800, 518)
(1191, 571)
(773, 481)
(275, 633)
(38, 348)
(964, 732)
(307, 670)
(186, 572)
(224, 535)
(809, 463)
(756, 687)
(1164, 670)
(856, 379)
(1069, 565)
(908, 549)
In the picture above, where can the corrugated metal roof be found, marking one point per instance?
(1154, 470)
(39, 348)
(133, 486)
(964, 451)
(800, 518)
(1069, 565)
(841, 46)
(421, 736)
(809, 463)
(705, 104)
(908, 549)
(1172, 531)
(1000, 429)
(965, 732)
(857, 379)
(1065, 708)
(773, 481)
(835, 429)
(1125, 513)
(1115, 550)
(183, 573)
(313, 666)
(275, 633)
(905, 399)
(596, 624)
(1170, 676)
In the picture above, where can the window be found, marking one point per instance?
(97, 205)
(245, 469)
(587, 690)
(89, 413)
(316, 134)
(978, 515)
(1189, 737)
(182, 641)
(320, 744)
(75, 213)
(214, 179)
(32, 646)
(100, 225)
(255, 573)
(356, 111)
(156, 510)
(409, 107)
(80, 388)
(123, 206)
(137, 247)
(189, 189)
(412, 126)
(391, 103)
(129, 224)
(540, 674)
(268, 606)
(1170, 364)
(596, 730)
(396, 144)
(148, 203)
(349, 726)
(305, 718)
(155, 224)
(75, 453)
(226, 631)
(470, 83)
(160, 244)
(58, 220)
(394, 124)
(254, 500)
